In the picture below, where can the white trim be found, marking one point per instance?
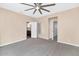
(11, 42)
(69, 43)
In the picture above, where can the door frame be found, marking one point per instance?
(51, 20)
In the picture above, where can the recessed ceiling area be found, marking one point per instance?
(17, 7)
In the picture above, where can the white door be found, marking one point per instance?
(33, 29)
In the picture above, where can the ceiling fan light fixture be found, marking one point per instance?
(37, 8)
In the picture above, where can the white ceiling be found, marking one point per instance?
(17, 7)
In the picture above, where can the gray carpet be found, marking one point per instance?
(39, 47)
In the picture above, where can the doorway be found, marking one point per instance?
(55, 36)
(28, 30)
(31, 29)
(53, 29)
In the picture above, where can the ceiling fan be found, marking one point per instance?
(38, 7)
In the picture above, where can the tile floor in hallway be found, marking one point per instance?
(39, 47)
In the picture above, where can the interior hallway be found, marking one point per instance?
(39, 47)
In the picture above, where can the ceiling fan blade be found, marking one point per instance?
(45, 9)
(40, 3)
(34, 11)
(40, 11)
(35, 4)
(48, 5)
(27, 4)
(29, 9)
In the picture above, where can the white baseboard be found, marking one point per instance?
(12, 42)
(44, 38)
(69, 43)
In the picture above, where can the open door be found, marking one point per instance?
(34, 31)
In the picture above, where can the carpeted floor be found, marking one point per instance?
(39, 47)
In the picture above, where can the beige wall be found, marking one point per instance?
(68, 26)
(44, 28)
(12, 26)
